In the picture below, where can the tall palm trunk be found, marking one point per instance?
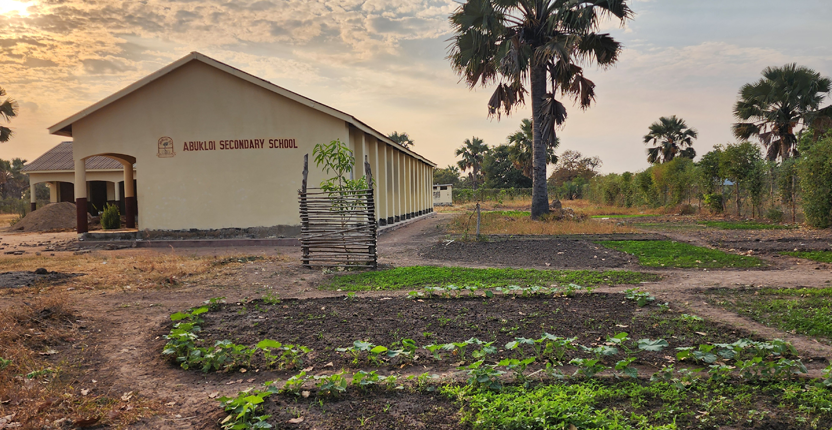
(540, 195)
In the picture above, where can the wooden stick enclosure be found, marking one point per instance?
(338, 228)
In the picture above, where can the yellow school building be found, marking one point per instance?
(203, 145)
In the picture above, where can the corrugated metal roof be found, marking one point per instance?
(60, 158)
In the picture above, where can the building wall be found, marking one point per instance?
(212, 187)
(216, 188)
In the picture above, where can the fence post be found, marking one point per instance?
(478, 220)
(304, 212)
(371, 212)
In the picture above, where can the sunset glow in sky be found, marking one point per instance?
(384, 62)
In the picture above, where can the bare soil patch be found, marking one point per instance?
(551, 253)
(27, 279)
(381, 410)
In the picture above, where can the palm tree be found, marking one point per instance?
(8, 110)
(540, 44)
(773, 107)
(402, 139)
(521, 152)
(472, 154)
(671, 135)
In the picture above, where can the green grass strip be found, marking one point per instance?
(744, 225)
(423, 276)
(806, 311)
(821, 256)
(665, 253)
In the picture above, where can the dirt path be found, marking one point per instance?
(131, 323)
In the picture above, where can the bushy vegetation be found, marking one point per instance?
(731, 178)
(815, 171)
(110, 218)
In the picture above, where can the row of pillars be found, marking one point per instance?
(81, 196)
(403, 184)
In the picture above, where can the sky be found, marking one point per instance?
(384, 62)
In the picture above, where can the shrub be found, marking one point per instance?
(714, 202)
(815, 169)
(685, 209)
(110, 218)
(774, 215)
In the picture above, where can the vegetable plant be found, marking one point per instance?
(243, 410)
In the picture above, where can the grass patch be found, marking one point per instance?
(424, 276)
(821, 256)
(665, 253)
(510, 213)
(136, 271)
(43, 375)
(520, 223)
(806, 311)
(744, 225)
(638, 404)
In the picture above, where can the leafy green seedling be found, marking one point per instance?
(243, 411)
(623, 367)
(588, 367)
(485, 376)
(652, 345)
(642, 299)
(295, 383)
(333, 384)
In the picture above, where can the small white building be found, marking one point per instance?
(443, 195)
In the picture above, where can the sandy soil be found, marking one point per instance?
(126, 326)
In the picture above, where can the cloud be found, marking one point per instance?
(101, 66)
(38, 62)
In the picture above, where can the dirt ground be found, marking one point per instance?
(122, 330)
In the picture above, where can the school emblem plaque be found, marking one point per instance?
(165, 148)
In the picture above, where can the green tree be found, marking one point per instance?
(671, 138)
(13, 182)
(8, 110)
(540, 44)
(571, 165)
(773, 108)
(448, 175)
(499, 171)
(472, 153)
(815, 171)
(711, 179)
(522, 151)
(741, 163)
(402, 139)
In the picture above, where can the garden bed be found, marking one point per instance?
(329, 323)
(554, 253)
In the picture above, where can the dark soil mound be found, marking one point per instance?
(27, 279)
(552, 253)
(54, 216)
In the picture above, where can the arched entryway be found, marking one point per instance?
(93, 196)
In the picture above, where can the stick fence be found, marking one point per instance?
(338, 229)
